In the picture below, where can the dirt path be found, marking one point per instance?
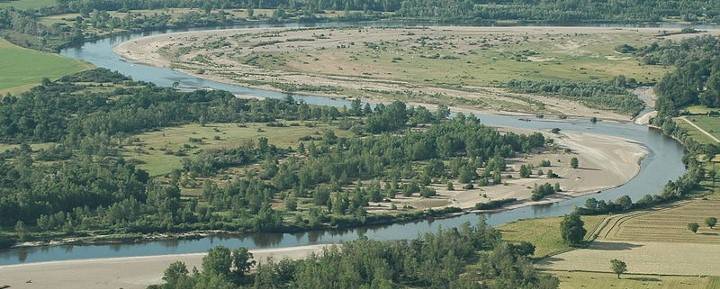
(700, 129)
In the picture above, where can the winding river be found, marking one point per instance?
(663, 163)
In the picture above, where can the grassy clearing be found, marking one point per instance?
(154, 150)
(26, 4)
(24, 68)
(5, 147)
(693, 132)
(543, 233)
(585, 280)
(670, 225)
(710, 124)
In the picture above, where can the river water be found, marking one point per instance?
(663, 163)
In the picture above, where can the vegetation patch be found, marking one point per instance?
(543, 233)
(24, 68)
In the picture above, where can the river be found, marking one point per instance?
(663, 163)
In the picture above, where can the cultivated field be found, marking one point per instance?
(159, 152)
(585, 280)
(23, 68)
(665, 258)
(666, 225)
(404, 63)
(652, 242)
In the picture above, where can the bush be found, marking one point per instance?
(494, 204)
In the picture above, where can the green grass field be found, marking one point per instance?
(710, 124)
(23, 68)
(543, 233)
(26, 4)
(694, 132)
(153, 148)
(585, 280)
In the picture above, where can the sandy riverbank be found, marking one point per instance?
(238, 56)
(114, 273)
(605, 162)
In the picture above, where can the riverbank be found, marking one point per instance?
(114, 273)
(605, 162)
(363, 63)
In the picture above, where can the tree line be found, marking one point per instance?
(434, 260)
(611, 95)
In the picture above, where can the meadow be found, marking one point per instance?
(157, 151)
(710, 124)
(26, 4)
(24, 68)
(544, 233)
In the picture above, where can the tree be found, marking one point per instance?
(572, 229)
(693, 227)
(523, 249)
(525, 171)
(243, 261)
(711, 222)
(174, 272)
(618, 267)
(574, 163)
(218, 262)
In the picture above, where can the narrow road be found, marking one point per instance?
(700, 129)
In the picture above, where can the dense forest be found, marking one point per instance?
(438, 260)
(82, 182)
(696, 77)
(555, 11)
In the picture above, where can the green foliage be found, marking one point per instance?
(612, 95)
(436, 260)
(539, 192)
(494, 204)
(574, 163)
(618, 267)
(525, 171)
(711, 222)
(696, 79)
(572, 229)
(693, 227)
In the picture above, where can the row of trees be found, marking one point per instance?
(562, 11)
(612, 95)
(432, 261)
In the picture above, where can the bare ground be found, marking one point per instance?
(641, 257)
